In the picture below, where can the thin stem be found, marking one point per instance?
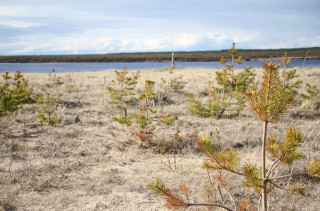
(219, 189)
(235, 205)
(290, 175)
(230, 196)
(273, 167)
(275, 184)
(264, 187)
(309, 135)
(209, 205)
(259, 204)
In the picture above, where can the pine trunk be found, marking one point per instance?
(264, 187)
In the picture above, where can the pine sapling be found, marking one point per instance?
(268, 102)
(122, 94)
(226, 99)
(175, 84)
(143, 119)
(13, 93)
(54, 80)
(147, 118)
(170, 150)
(47, 113)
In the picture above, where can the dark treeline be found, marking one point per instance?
(263, 54)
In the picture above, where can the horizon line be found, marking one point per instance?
(180, 51)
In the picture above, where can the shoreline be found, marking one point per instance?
(182, 56)
(150, 61)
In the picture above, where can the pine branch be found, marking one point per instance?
(174, 200)
(290, 175)
(273, 167)
(228, 169)
(209, 205)
(213, 154)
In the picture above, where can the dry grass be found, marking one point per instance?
(80, 164)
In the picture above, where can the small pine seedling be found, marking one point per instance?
(54, 80)
(13, 93)
(122, 94)
(47, 113)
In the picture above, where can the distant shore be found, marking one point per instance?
(191, 56)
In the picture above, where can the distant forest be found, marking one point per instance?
(248, 55)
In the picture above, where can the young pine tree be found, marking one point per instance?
(226, 99)
(268, 103)
(54, 80)
(146, 120)
(143, 119)
(121, 94)
(13, 93)
(47, 113)
(175, 84)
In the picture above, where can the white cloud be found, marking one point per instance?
(50, 43)
(22, 50)
(155, 44)
(186, 40)
(28, 11)
(49, 27)
(20, 24)
(225, 37)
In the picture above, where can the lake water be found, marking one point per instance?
(93, 67)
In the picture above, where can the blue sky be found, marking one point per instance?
(105, 26)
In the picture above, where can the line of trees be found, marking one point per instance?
(257, 54)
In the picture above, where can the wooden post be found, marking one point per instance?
(172, 60)
(305, 57)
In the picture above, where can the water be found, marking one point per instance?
(93, 67)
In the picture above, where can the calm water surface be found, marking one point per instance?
(93, 67)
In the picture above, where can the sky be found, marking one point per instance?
(38, 27)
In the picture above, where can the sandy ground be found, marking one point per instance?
(79, 165)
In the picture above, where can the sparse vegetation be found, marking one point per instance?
(90, 161)
(269, 103)
(226, 99)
